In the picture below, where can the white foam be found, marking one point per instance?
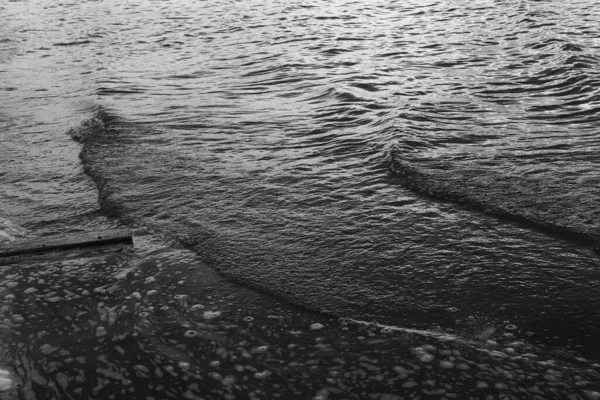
(211, 314)
(10, 231)
(437, 335)
(5, 382)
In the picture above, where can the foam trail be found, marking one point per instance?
(391, 328)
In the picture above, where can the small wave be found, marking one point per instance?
(335, 51)
(76, 43)
(91, 128)
(541, 202)
(103, 91)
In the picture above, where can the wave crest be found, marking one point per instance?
(539, 201)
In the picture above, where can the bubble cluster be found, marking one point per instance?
(424, 353)
(211, 314)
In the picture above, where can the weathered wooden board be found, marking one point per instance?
(65, 243)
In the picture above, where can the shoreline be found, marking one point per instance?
(159, 315)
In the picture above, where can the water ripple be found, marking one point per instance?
(260, 134)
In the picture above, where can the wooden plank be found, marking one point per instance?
(65, 243)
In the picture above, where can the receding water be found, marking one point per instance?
(425, 172)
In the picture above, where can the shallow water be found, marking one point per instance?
(154, 321)
(428, 166)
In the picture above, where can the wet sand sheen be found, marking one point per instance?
(155, 321)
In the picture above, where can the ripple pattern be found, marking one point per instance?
(262, 135)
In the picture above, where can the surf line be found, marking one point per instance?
(442, 187)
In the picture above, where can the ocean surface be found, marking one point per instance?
(331, 199)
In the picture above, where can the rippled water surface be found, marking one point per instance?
(430, 167)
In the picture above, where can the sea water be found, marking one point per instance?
(407, 192)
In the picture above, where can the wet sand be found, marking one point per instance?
(153, 321)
